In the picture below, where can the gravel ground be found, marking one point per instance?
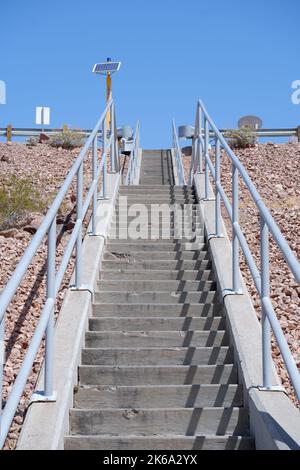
(38, 164)
(275, 170)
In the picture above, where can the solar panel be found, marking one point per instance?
(106, 67)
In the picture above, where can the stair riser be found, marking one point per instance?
(164, 310)
(154, 339)
(180, 265)
(155, 285)
(158, 275)
(160, 397)
(154, 247)
(157, 356)
(181, 421)
(155, 297)
(156, 324)
(159, 443)
(154, 375)
(132, 257)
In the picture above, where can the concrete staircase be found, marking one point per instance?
(157, 369)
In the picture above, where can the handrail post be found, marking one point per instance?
(200, 149)
(206, 134)
(235, 220)
(79, 217)
(94, 176)
(265, 292)
(104, 171)
(112, 147)
(218, 196)
(49, 338)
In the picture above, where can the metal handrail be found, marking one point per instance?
(204, 123)
(178, 156)
(132, 165)
(54, 278)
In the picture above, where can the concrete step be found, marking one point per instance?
(185, 421)
(157, 356)
(156, 324)
(164, 275)
(157, 375)
(170, 236)
(154, 246)
(180, 265)
(155, 297)
(166, 396)
(133, 256)
(199, 442)
(164, 310)
(154, 285)
(148, 339)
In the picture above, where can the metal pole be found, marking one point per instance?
(218, 196)
(200, 149)
(2, 354)
(94, 176)
(235, 220)
(49, 338)
(206, 130)
(112, 147)
(79, 217)
(265, 292)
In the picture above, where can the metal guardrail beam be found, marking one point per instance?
(204, 129)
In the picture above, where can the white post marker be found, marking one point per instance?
(42, 116)
(2, 92)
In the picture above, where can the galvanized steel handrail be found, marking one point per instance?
(54, 278)
(132, 165)
(178, 156)
(204, 124)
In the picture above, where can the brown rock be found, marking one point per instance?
(12, 232)
(43, 138)
(5, 158)
(34, 224)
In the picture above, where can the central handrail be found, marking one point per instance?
(55, 278)
(204, 125)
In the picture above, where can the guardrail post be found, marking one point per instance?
(49, 338)
(206, 135)
(218, 196)
(9, 133)
(94, 177)
(265, 292)
(235, 240)
(79, 218)
(298, 133)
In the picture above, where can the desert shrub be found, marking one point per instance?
(67, 139)
(32, 141)
(241, 138)
(18, 196)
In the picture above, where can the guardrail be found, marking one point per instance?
(54, 278)
(178, 156)
(268, 226)
(131, 171)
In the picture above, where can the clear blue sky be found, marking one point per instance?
(239, 57)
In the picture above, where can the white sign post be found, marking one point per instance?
(2, 92)
(42, 116)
